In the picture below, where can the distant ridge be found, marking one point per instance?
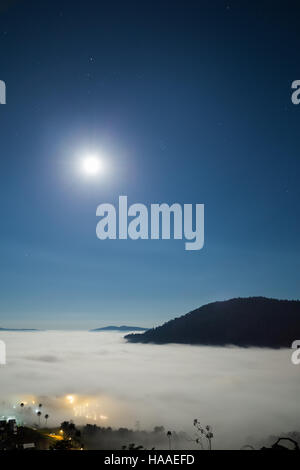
(120, 328)
(252, 321)
(18, 329)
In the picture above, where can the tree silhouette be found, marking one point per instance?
(46, 418)
(61, 445)
(71, 433)
(132, 447)
(169, 434)
(39, 415)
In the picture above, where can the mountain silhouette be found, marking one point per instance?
(120, 328)
(253, 321)
(18, 329)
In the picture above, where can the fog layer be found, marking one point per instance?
(242, 393)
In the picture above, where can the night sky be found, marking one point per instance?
(190, 102)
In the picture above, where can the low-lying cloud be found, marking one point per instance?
(242, 393)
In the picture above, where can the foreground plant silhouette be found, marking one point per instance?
(276, 446)
(203, 432)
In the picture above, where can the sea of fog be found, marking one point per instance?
(245, 394)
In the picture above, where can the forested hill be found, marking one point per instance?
(253, 321)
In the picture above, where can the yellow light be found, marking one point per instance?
(55, 436)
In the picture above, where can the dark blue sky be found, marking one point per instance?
(190, 102)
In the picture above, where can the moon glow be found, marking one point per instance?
(92, 165)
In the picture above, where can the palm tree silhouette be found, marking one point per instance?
(169, 434)
(39, 415)
(22, 414)
(46, 418)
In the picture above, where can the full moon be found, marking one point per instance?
(92, 165)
